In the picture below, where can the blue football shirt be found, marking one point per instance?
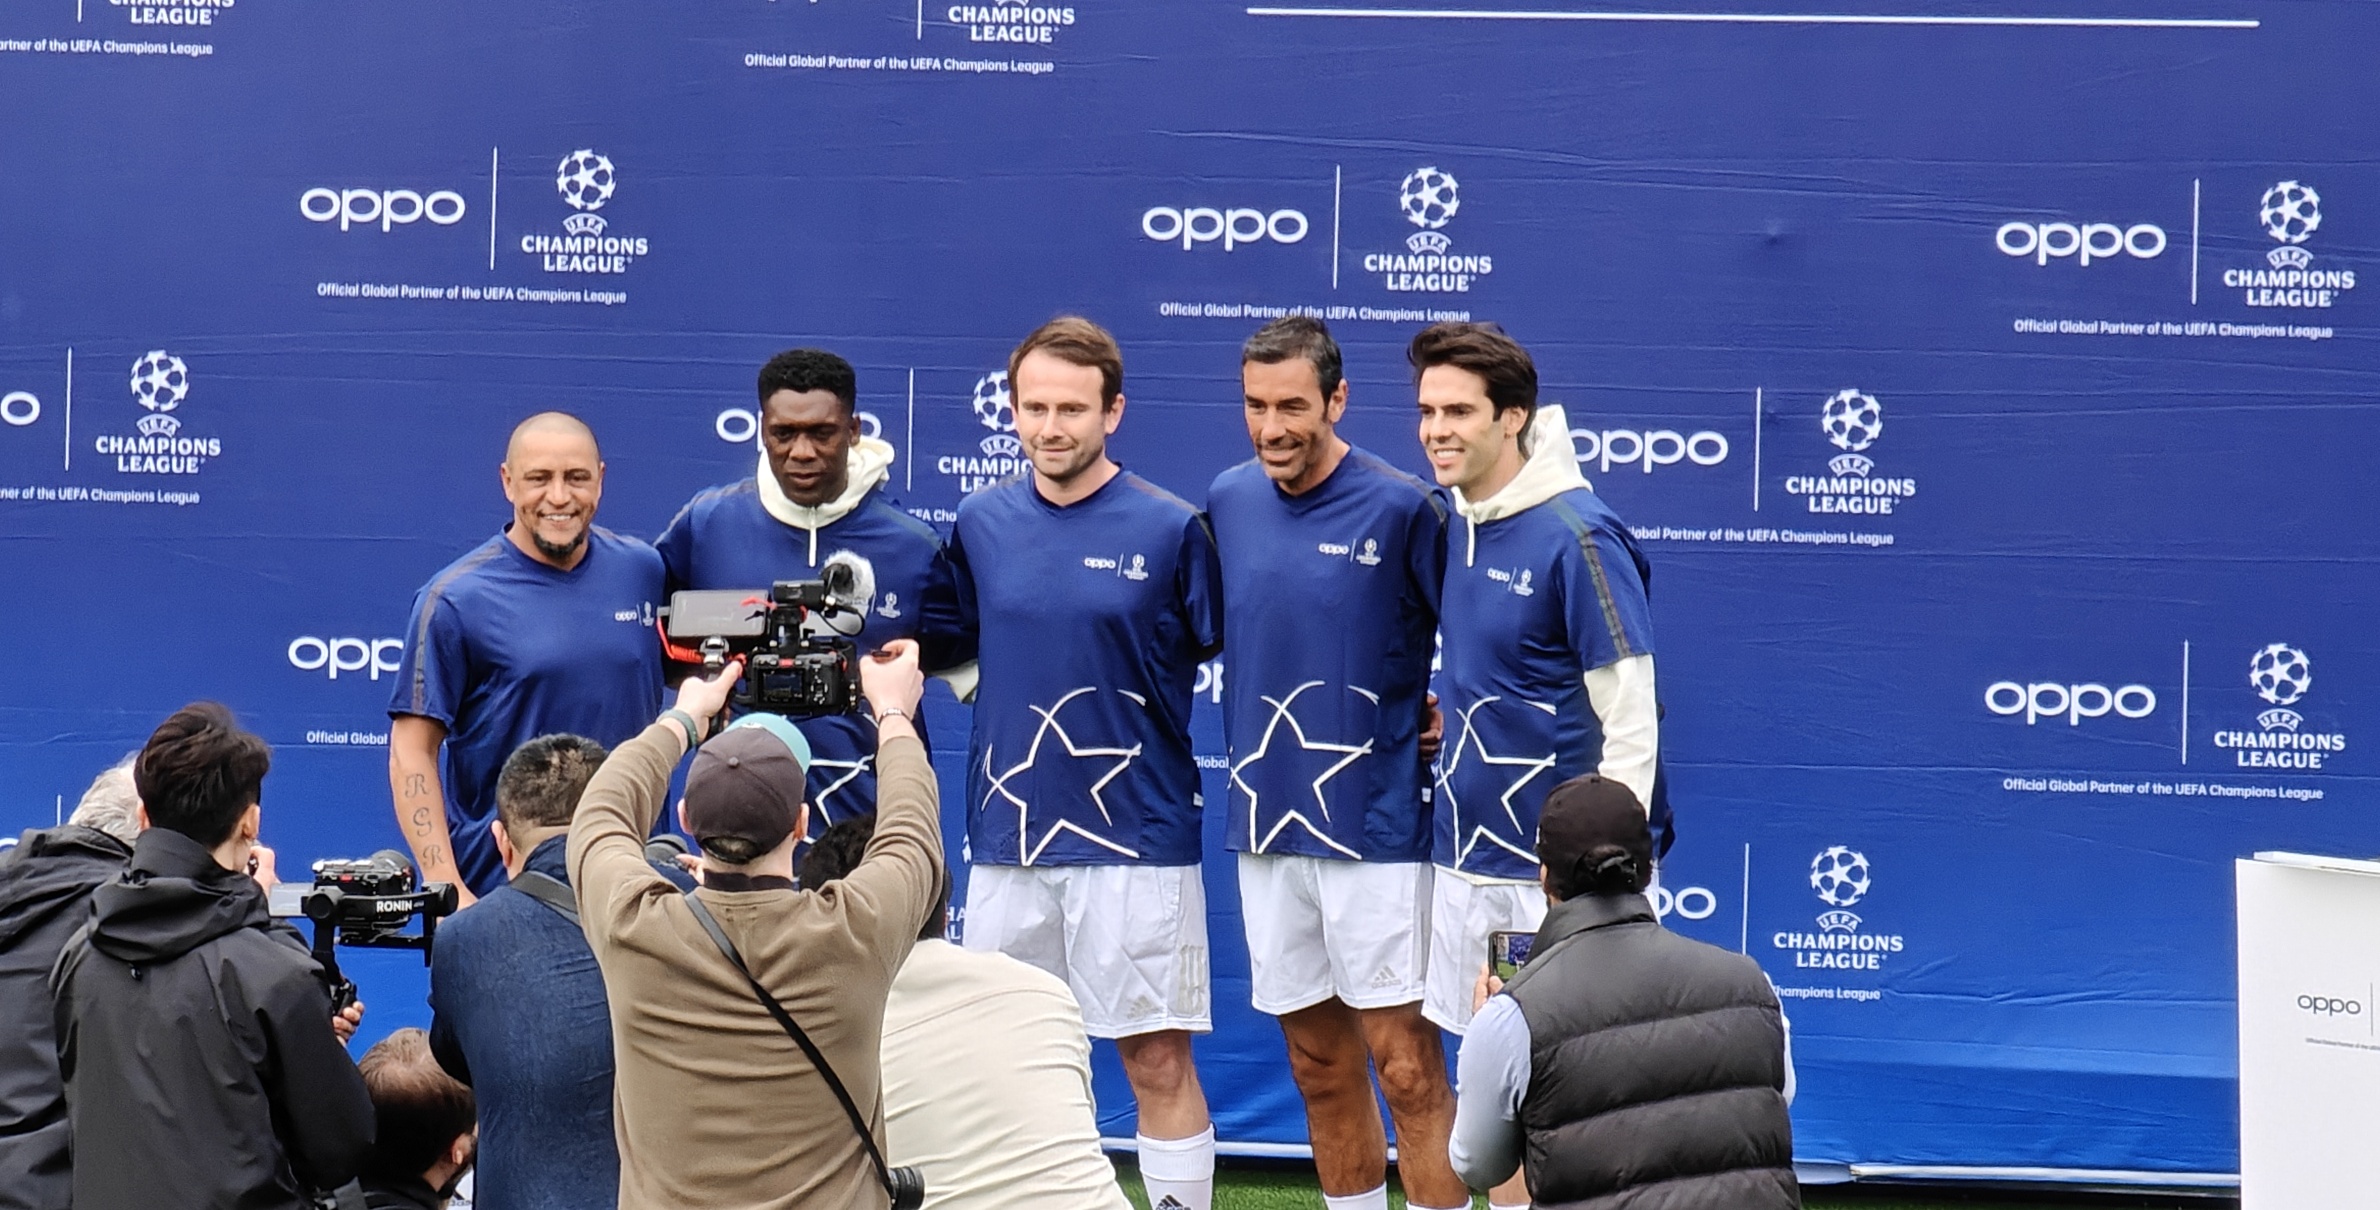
(503, 649)
(1545, 596)
(1092, 619)
(1330, 606)
(725, 538)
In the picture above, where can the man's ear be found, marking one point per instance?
(251, 823)
(801, 824)
(466, 1145)
(682, 818)
(1545, 882)
(140, 816)
(503, 835)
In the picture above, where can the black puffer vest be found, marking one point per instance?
(1657, 1068)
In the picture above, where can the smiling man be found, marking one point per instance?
(1547, 668)
(819, 491)
(1331, 566)
(1094, 593)
(544, 628)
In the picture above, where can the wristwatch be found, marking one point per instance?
(894, 712)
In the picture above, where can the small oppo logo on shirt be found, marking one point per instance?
(643, 616)
(1517, 581)
(1367, 552)
(1138, 569)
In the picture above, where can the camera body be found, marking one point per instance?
(795, 638)
(369, 902)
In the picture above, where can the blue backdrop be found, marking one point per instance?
(1988, 382)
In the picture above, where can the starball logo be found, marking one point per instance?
(999, 456)
(2290, 212)
(2282, 676)
(160, 385)
(1852, 421)
(586, 181)
(1429, 198)
(1840, 877)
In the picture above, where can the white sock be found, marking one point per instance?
(1179, 1173)
(1371, 1199)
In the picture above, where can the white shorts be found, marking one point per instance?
(1462, 914)
(1319, 928)
(1130, 940)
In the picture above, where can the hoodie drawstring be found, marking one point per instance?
(1471, 546)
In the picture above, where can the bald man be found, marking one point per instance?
(545, 628)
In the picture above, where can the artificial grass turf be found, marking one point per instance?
(1240, 1185)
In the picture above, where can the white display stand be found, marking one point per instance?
(2309, 979)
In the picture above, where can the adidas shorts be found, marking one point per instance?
(1319, 928)
(1129, 940)
(1462, 914)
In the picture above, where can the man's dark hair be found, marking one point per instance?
(420, 1110)
(1076, 341)
(837, 851)
(1298, 336)
(200, 772)
(1606, 869)
(542, 781)
(800, 370)
(1484, 350)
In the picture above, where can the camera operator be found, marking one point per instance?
(517, 1006)
(424, 1141)
(46, 883)
(194, 1033)
(1624, 1064)
(987, 1072)
(819, 494)
(714, 1102)
(546, 627)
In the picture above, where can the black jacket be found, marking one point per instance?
(195, 1037)
(1656, 1068)
(45, 895)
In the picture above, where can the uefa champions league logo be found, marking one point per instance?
(586, 181)
(994, 411)
(1429, 198)
(1840, 876)
(2290, 212)
(160, 382)
(1852, 419)
(2280, 673)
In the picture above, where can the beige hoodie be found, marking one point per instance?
(1621, 694)
(870, 462)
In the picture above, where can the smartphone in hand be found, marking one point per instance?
(1509, 952)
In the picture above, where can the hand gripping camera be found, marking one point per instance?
(796, 638)
(368, 902)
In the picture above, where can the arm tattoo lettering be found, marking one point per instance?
(421, 820)
(416, 785)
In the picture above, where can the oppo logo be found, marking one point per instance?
(1239, 225)
(1659, 447)
(390, 208)
(1693, 903)
(2086, 243)
(2074, 702)
(310, 654)
(740, 425)
(2327, 1006)
(19, 408)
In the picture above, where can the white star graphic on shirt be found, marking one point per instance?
(1028, 851)
(1284, 713)
(827, 814)
(1469, 738)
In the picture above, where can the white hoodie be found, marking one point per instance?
(870, 462)
(1621, 693)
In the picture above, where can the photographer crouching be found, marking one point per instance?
(758, 1089)
(195, 1034)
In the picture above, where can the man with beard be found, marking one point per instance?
(1095, 596)
(818, 493)
(545, 628)
(1331, 567)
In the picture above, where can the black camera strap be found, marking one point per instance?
(867, 1138)
(550, 891)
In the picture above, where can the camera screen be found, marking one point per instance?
(729, 613)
